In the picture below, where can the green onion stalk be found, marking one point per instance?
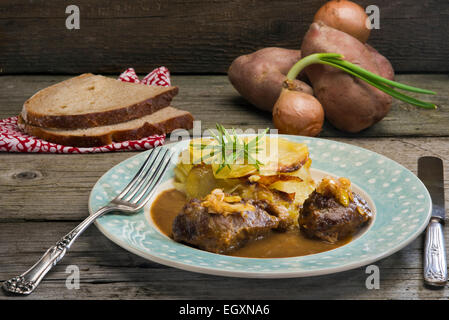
(336, 60)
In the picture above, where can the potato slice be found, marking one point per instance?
(275, 155)
(282, 156)
(301, 188)
(284, 166)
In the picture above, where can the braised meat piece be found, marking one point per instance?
(221, 223)
(333, 212)
(275, 202)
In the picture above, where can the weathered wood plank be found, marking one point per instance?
(53, 181)
(39, 187)
(212, 99)
(44, 196)
(198, 36)
(43, 186)
(109, 272)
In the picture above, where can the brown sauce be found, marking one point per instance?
(275, 245)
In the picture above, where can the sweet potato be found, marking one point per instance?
(349, 103)
(384, 66)
(259, 76)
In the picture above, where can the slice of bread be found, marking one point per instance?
(163, 121)
(89, 101)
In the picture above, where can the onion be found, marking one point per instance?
(299, 113)
(345, 16)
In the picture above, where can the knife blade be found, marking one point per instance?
(430, 171)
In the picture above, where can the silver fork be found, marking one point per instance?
(130, 200)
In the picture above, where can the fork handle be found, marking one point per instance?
(30, 279)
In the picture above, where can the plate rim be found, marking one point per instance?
(268, 274)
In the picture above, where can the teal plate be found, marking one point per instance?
(402, 211)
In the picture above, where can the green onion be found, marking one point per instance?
(336, 60)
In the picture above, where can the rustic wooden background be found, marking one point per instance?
(199, 36)
(43, 196)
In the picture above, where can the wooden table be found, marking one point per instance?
(44, 196)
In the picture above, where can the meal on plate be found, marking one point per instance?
(263, 204)
(93, 110)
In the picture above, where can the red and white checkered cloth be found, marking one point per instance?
(14, 140)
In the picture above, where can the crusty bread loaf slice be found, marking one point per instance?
(89, 101)
(163, 121)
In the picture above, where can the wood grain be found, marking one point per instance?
(44, 196)
(109, 272)
(40, 187)
(198, 36)
(212, 99)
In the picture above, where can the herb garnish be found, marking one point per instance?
(230, 149)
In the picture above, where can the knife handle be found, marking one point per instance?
(435, 266)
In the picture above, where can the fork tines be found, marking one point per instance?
(141, 187)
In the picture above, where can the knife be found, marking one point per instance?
(430, 171)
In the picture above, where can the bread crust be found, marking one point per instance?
(104, 118)
(97, 119)
(184, 121)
